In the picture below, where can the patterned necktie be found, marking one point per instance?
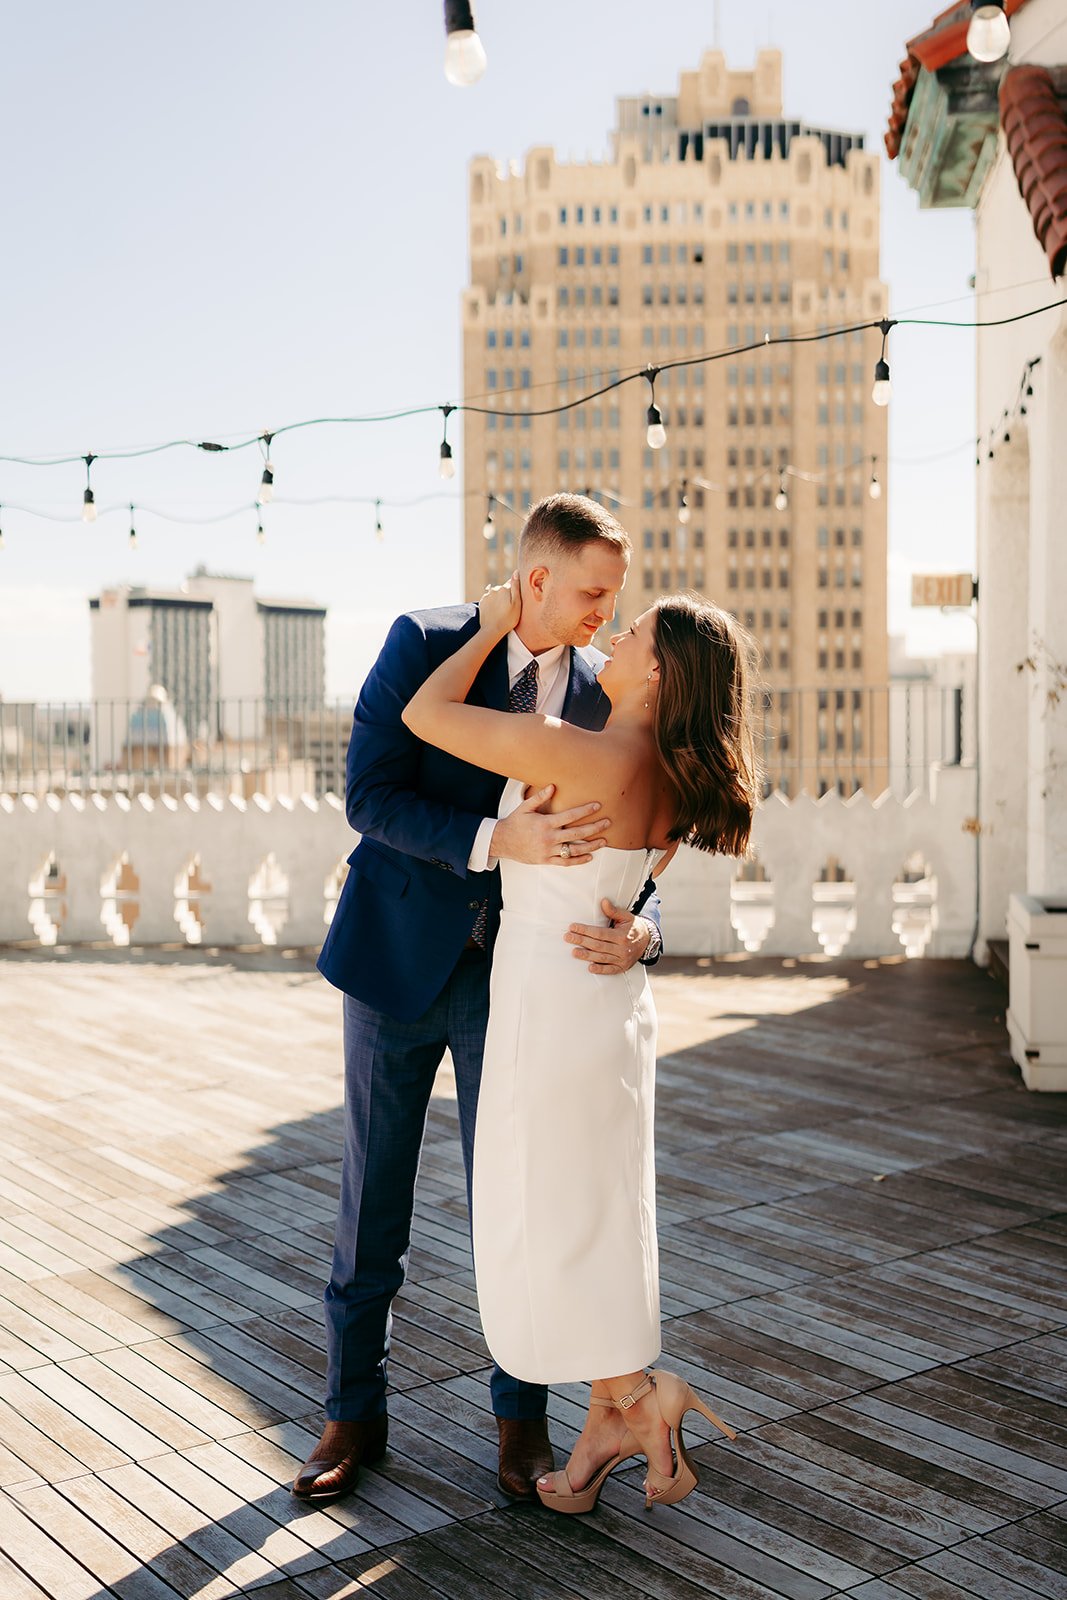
(523, 697)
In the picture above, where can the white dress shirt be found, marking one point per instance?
(553, 676)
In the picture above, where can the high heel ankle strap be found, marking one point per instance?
(627, 1400)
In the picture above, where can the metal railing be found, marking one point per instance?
(875, 738)
(131, 747)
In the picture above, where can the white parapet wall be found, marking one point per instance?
(855, 877)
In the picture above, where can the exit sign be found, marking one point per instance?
(942, 589)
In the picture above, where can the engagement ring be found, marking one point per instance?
(565, 851)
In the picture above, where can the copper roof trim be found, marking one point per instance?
(943, 42)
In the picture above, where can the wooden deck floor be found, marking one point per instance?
(863, 1222)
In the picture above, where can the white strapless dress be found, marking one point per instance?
(564, 1212)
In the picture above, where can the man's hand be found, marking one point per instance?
(613, 950)
(565, 839)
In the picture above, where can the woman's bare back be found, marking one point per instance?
(624, 773)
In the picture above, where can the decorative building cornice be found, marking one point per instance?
(1034, 118)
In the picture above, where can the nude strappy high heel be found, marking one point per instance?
(674, 1398)
(561, 1497)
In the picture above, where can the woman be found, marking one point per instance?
(564, 1180)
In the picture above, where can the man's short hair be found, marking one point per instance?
(562, 524)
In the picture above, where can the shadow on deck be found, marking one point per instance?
(862, 1234)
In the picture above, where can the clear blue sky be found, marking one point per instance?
(222, 217)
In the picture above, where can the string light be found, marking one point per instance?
(132, 541)
(616, 382)
(447, 468)
(465, 58)
(989, 34)
(488, 530)
(88, 502)
(781, 499)
(261, 533)
(874, 488)
(882, 392)
(379, 531)
(656, 435)
(266, 483)
(684, 513)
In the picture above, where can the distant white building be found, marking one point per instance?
(932, 713)
(227, 661)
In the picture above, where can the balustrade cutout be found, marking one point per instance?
(48, 908)
(833, 913)
(752, 905)
(268, 899)
(191, 889)
(915, 916)
(335, 882)
(119, 890)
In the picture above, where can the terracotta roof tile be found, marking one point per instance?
(1035, 127)
(944, 41)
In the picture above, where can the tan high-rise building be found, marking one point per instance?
(714, 223)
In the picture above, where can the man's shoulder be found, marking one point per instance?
(442, 619)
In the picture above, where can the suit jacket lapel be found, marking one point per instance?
(492, 685)
(583, 703)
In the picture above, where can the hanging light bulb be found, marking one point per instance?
(465, 57)
(882, 392)
(684, 513)
(875, 489)
(88, 500)
(656, 436)
(989, 34)
(266, 483)
(379, 531)
(781, 499)
(488, 529)
(133, 532)
(261, 534)
(447, 468)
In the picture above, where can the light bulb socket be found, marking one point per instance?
(657, 433)
(459, 16)
(882, 391)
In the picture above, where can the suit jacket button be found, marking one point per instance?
(474, 905)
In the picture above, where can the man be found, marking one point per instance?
(410, 945)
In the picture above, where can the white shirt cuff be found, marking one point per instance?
(480, 859)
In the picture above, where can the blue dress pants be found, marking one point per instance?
(389, 1073)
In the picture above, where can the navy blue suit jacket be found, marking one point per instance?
(408, 904)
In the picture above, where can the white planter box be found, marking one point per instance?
(1037, 1005)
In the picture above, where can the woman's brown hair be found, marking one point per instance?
(704, 722)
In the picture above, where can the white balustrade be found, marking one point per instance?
(223, 871)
